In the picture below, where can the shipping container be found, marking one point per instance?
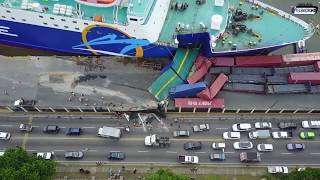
(199, 74)
(258, 61)
(301, 59)
(223, 61)
(287, 70)
(217, 85)
(204, 94)
(217, 103)
(218, 70)
(250, 88)
(199, 61)
(317, 66)
(305, 77)
(187, 90)
(247, 79)
(277, 79)
(253, 71)
(287, 89)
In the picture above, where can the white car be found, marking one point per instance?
(278, 169)
(45, 155)
(218, 145)
(231, 135)
(265, 147)
(241, 127)
(263, 125)
(5, 135)
(243, 145)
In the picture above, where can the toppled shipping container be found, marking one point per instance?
(217, 103)
(200, 73)
(199, 61)
(287, 70)
(247, 79)
(258, 61)
(218, 70)
(253, 71)
(277, 79)
(187, 90)
(223, 61)
(287, 89)
(250, 88)
(214, 89)
(305, 77)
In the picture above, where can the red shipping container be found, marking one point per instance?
(317, 66)
(199, 74)
(223, 61)
(305, 77)
(300, 59)
(199, 103)
(258, 61)
(217, 85)
(205, 94)
(199, 61)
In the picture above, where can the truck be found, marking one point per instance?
(311, 124)
(259, 134)
(183, 159)
(23, 102)
(156, 141)
(282, 135)
(109, 132)
(250, 157)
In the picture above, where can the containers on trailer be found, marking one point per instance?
(253, 71)
(214, 89)
(286, 70)
(251, 88)
(247, 79)
(277, 79)
(305, 77)
(217, 103)
(285, 89)
(218, 70)
(223, 61)
(199, 74)
(258, 61)
(187, 90)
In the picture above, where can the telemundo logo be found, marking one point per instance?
(307, 9)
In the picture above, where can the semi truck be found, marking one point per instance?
(259, 134)
(156, 141)
(188, 159)
(250, 157)
(109, 132)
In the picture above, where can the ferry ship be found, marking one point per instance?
(148, 28)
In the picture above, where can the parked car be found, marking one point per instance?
(231, 135)
(201, 127)
(287, 125)
(263, 125)
(217, 156)
(73, 154)
(243, 145)
(278, 169)
(265, 147)
(307, 135)
(73, 131)
(218, 145)
(181, 133)
(241, 127)
(5, 135)
(116, 155)
(192, 145)
(295, 147)
(51, 129)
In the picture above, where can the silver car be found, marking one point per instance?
(181, 133)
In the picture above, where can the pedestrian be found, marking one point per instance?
(134, 171)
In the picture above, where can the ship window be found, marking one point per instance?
(56, 25)
(45, 23)
(23, 19)
(13, 18)
(133, 19)
(85, 23)
(8, 11)
(77, 28)
(40, 16)
(3, 16)
(66, 27)
(63, 20)
(74, 21)
(52, 18)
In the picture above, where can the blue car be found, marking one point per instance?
(295, 147)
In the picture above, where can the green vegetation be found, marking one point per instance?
(166, 174)
(307, 174)
(17, 164)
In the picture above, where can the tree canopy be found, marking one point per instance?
(17, 164)
(307, 174)
(166, 174)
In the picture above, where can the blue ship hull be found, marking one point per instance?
(100, 41)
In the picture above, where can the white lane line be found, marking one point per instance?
(36, 126)
(222, 128)
(89, 127)
(30, 150)
(58, 150)
(200, 152)
(229, 152)
(62, 127)
(315, 153)
(142, 151)
(173, 152)
(92, 150)
(6, 125)
(285, 153)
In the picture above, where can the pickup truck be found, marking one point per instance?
(282, 135)
(250, 157)
(311, 124)
(201, 127)
(188, 159)
(259, 134)
(23, 102)
(156, 141)
(109, 132)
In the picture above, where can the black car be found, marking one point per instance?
(116, 155)
(51, 129)
(73, 131)
(217, 156)
(288, 125)
(73, 154)
(192, 145)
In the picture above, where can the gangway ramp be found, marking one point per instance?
(176, 74)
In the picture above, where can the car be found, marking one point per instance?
(241, 127)
(45, 155)
(5, 135)
(116, 155)
(201, 127)
(25, 127)
(295, 147)
(287, 125)
(73, 154)
(73, 131)
(217, 156)
(51, 129)
(263, 125)
(243, 145)
(218, 145)
(231, 135)
(192, 145)
(181, 133)
(278, 169)
(307, 135)
(2, 153)
(265, 147)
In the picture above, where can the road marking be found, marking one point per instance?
(315, 153)
(89, 127)
(143, 151)
(58, 150)
(26, 135)
(6, 125)
(286, 153)
(30, 150)
(229, 152)
(173, 152)
(62, 127)
(92, 150)
(36, 126)
(200, 152)
(222, 128)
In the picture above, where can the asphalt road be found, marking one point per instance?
(95, 148)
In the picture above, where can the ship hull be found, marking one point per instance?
(64, 41)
